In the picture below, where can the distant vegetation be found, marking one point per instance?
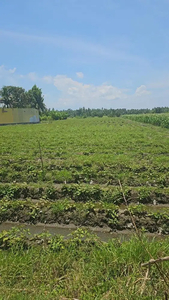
(53, 114)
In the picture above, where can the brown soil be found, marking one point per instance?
(97, 218)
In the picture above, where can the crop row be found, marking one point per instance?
(154, 119)
(85, 193)
(19, 238)
(84, 214)
(148, 175)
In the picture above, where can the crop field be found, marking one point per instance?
(70, 171)
(154, 119)
(88, 173)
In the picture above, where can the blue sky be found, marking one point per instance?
(92, 53)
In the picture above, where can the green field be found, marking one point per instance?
(72, 169)
(69, 172)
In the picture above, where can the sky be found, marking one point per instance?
(87, 53)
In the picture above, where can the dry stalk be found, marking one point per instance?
(131, 215)
(144, 282)
(153, 261)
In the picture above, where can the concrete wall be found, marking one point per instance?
(18, 115)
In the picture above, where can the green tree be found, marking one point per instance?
(13, 96)
(35, 99)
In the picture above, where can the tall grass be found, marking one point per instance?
(81, 268)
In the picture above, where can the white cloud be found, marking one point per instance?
(79, 94)
(11, 77)
(5, 71)
(32, 76)
(63, 92)
(142, 90)
(48, 79)
(8, 76)
(12, 70)
(80, 74)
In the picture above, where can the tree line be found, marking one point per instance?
(52, 114)
(17, 97)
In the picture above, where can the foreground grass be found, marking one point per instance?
(45, 267)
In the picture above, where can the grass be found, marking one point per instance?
(46, 267)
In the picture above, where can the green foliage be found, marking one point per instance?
(13, 96)
(36, 99)
(144, 195)
(82, 193)
(16, 238)
(55, 115)
(139, 209)
(62, 206)
(17, 97)
(57, 243)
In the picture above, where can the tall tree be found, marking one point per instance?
(35, 99)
